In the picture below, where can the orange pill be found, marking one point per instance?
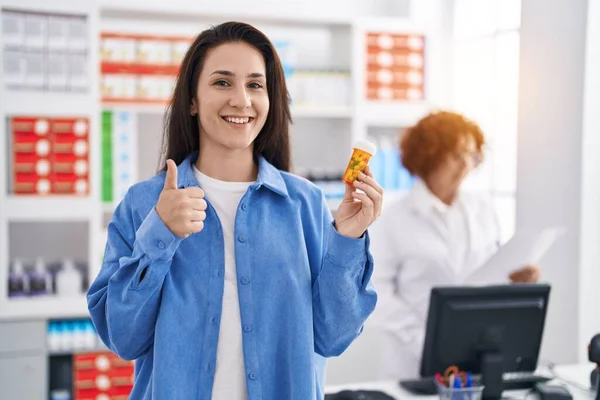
(361, 154)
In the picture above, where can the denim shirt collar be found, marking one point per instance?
(268, 176)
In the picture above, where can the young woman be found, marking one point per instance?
(225, 276)
(434, 236)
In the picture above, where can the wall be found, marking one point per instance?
(589, 296)
(556, 122)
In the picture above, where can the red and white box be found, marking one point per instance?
(32, 155)
(101, 376)
(50, 155)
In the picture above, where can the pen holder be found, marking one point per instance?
(465, 393)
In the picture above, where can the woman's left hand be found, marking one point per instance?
(359, 210)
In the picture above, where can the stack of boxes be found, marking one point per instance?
(50, 155)
(45, 52)
(395, 67)
(119, 154)
(139, 68)
(101, 376)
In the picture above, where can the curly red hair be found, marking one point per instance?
(427, 144)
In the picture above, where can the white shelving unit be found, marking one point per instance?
(322, 134)
(26, 213)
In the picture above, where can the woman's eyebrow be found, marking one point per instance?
(229, 73)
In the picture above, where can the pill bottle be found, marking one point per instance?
(361, 154)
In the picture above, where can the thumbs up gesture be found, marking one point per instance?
(181, 210)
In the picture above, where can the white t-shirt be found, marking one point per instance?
(230, 376)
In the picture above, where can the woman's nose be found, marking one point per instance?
(240, 98)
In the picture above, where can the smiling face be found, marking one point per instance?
(231, 98)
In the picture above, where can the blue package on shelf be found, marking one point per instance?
(391, 167)
(124, 116)
(378, 168)
(285, 50)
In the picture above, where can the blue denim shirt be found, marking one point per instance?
(304, 290)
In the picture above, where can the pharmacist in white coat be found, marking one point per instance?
(436, 235)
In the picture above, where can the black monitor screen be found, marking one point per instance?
(466, 322)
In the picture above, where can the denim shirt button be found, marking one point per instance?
(160, 245)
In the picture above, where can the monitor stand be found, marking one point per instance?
(491, 364)
(595, 381)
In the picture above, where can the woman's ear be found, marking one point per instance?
(194, 107)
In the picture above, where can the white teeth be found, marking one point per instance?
(234, 120)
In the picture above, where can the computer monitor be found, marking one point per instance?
(487, 330)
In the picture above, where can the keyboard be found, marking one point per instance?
(520, 381)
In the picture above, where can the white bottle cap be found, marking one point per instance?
(18, 266)
(40, 266)
(68, 264)
(365, 145)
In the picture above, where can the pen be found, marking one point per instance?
(456, 394)
(469, 380)
(457, 383)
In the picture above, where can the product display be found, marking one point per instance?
(72, 336)
(139, 68)
(50, 155)
(119, 155)
(320, 88)
(65, 278)
(18, 280)
(82, 367)
(387, 167)
(329, 181)
(102, 375)
(45, 52)
(361, 154)
(68, 279)
(40, 280)
(395, 67)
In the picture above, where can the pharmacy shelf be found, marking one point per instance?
(49, 208)
(157, 107)
(321, 112)
(50, 104)
(70, 352)
(44, 307)
(63, 6)
(394, 114)
(185, 11)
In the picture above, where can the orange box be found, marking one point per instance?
(394, 93)
(386, 41)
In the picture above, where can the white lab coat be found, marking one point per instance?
(410, 246)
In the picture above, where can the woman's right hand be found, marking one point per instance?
(527, 274)
(181, 210)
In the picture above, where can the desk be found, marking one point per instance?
(575, 377)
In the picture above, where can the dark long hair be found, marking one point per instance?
(181, 134)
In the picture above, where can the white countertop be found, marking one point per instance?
(576, 377)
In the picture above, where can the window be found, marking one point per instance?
(485, 81)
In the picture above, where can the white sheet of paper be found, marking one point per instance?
(524, 248)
